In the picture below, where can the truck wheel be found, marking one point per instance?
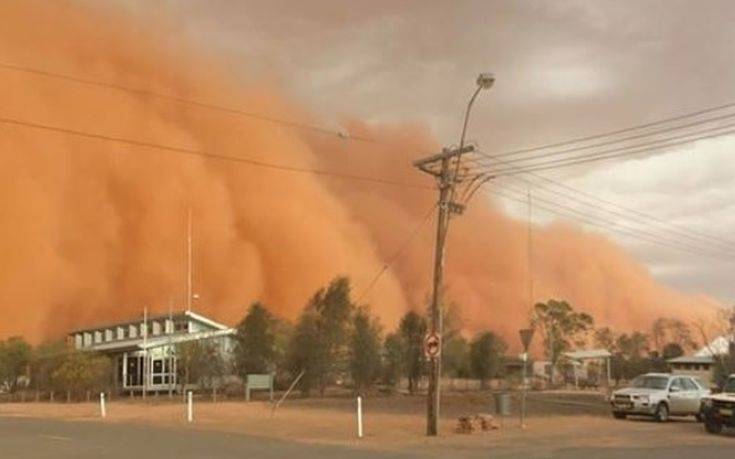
(618, 415)
(712, 426)
(662, 412)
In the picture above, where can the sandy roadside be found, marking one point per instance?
(330, 423)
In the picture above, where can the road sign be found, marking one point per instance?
(526, 337)
(432, 345)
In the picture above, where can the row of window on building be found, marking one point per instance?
(131, 331)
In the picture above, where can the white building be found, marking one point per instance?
(143, 350)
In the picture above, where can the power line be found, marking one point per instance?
(676, 229)
(652, 143)
(647, 231)
(593, 157)
(401, 249)
(638, 136)
(557, 163)
(181, 100)
(620, 131)
(208, 155)
(707, 239)
(574, 214)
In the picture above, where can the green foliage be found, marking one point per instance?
(412, 330)
(47, 358)
(455, 349)
(320, 343)
(306, 352)
(486, 356)
(255, 350)
(562, 327)
(364, 350)
(199, 362)
(672, 351)
(81, 371)
(393, 363)
(15, 356)
(634, 346)
(725, 365)
(456, 357)
(604, 338)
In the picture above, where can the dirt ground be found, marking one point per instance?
(555, 420)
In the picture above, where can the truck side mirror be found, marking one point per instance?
(674, 389)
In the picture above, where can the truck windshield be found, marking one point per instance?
(650, 382)
(729, 386)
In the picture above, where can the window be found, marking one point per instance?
(160, 372)
(676, 385)
(688, 384)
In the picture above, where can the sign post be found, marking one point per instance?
(526, 335)
(432, 345)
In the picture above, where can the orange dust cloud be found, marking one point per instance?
(93, 230)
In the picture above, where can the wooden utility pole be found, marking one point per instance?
(440, 167)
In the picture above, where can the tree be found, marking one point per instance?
(455, 349)
(319, 345)
(456, 357)
(667, 330)
(46, 359)
(255, 349)
(672, 351)
(335, 310)
(364, 350)
(486, 356)
(393, 364)
(191, 362)
(561, 327)
(15, 356)
(80, 371)
(604, 338)
(412, 330)
(306, 353)
(633, 351)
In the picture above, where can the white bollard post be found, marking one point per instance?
(103, 409)
(359, 417)
(189, 408)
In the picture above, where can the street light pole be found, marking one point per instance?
(446, 181)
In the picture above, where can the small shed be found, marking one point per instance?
(698, 366)
(582, 357)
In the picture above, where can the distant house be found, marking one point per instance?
(142, 350)
(702, 363)
(701, 367)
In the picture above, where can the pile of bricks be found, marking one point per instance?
(476, 423)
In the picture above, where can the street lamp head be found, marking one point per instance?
(485, 80)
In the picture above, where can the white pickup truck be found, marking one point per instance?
(718, 410)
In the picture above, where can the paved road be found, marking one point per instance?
(23, 438)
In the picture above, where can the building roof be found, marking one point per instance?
(175, 316)
(696, 359)
(718, 346)
(588, 354)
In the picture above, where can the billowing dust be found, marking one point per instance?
(94, 230)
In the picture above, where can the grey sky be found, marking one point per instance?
(563, 68)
